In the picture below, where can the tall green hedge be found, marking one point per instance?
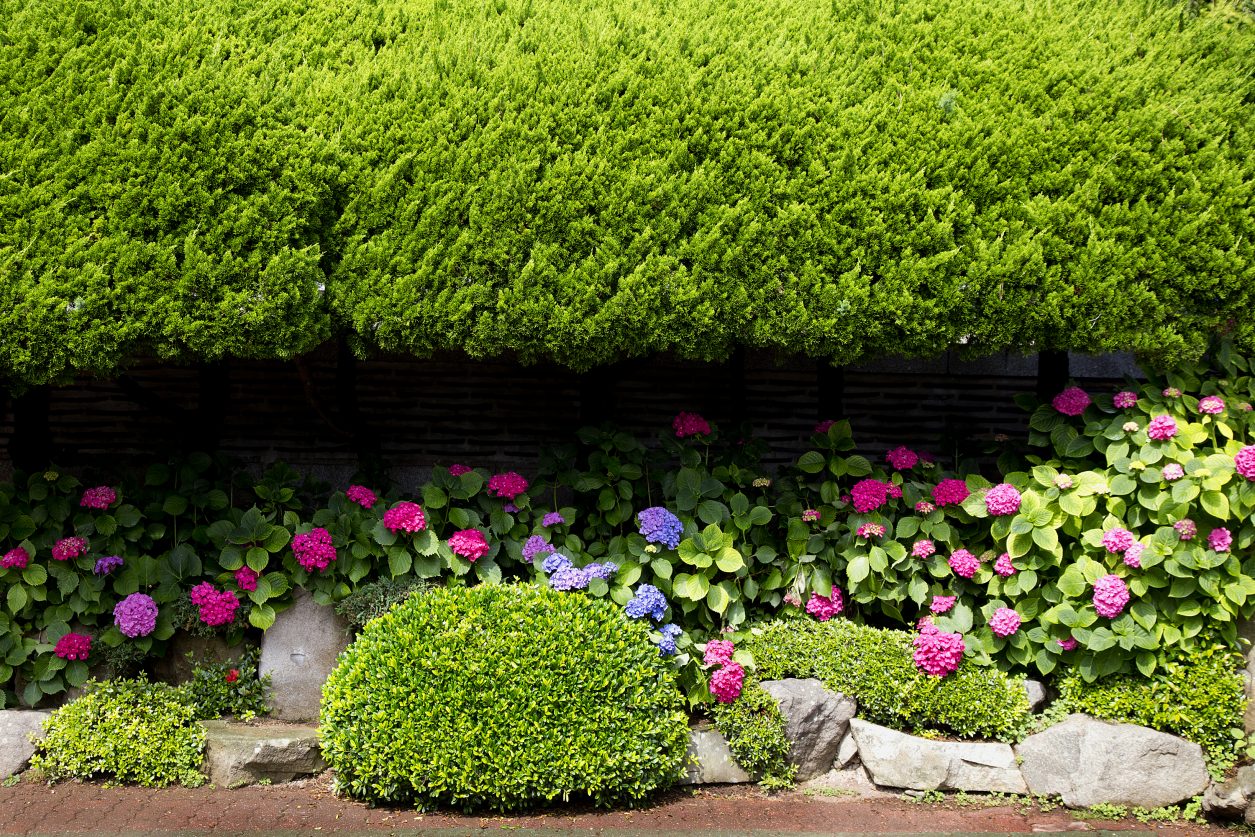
(584, 181)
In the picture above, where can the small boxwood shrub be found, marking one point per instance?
(373, 600)
(231, 688)
(1198, 696)
(125, 730)
(502, 697)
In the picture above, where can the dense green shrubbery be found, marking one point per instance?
(230, 688)
(1198, 696)
(373, 600)
(530, 179)
(128, 731)
(503, 697)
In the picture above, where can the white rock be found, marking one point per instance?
(895, 759)
(709, 760)
(17, 726)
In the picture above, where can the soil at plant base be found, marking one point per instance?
(310, 807)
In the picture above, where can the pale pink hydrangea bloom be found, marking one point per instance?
(871, 530)
(1220, 540)
(1162, 428)
(1003, 499)
(1110, 596)
(923, 549)
(1211, 405)
(1117, 540)
(1186, 529)
(942, 604)
(1003, 565)
(1244, 462)
(924, 507)
(1004, 622)
(1133, 555)
(810, 516)
(1173, 472)
(1124, 400)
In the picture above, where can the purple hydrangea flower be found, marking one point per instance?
(660, 526)
(556, 561)
(107, 564)
(603, 571)
(569, 578)
(552, 519)
(136, 615)
(535, 545)
(648, 601)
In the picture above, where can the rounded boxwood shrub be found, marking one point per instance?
(500, 697)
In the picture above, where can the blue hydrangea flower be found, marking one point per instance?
(555, 562)
(536, 545)
(670, 633)
(604, 571)
(648, 601)
(660, 526)
(568, 578)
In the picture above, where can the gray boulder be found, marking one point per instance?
(847, 753)
(17, 726)
(815, 722)
(709, 760)
(299, 651)
(1037, 696)
(895, 759)
(1246, 631)
(238, 754)
(1088, 762)
(1229, 800)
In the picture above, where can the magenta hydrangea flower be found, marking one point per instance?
(726, 683)
(923, 549)
(1004, 622)
(1133, 555)
(458, 470)
(405, 517)
(217, 607)
(1003, 565)
(718, 652)
(361, 495)
(16, 558)
(1186, 529)
(964, 563)
(246, 579)
(469, 543)
(810, 516)
(1068, 644)
(552, 519)
(690, 424)
(1124, 400)
(1244, 462)
(950, 492)
(924, 507)
(68, 548)
(1211, 405)
(1162, 428)
(1117, 540)
(1220, 540)
(902, 458)
(871, 530)
(73, 646)
(1071, 402)
(314, 550)
(136, 615)
(824, 608)
(1003, 499)
(825, 425)
(506, 486)
(869, 495)
(1173, 472)
(1110, 596)
(942, 604)
(937, 653)
(893, 490)
(100, 497)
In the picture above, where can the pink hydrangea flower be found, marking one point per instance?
(718, 652)
(1186, 529)
(923, 549)
(314, 550)
(458, 470)
(217, 607)
(1171, 392)
(100, 497)
(1003, 565)
(924, 507)
(1004, 622)
(1220, 540)
(950, 492)
(726, 683)
(942, 604)
(246, 579)
(1117, 540)
(1002, 499)
(1244, 462)
(937, 653)
(793, 599)
(1173, 472)
(824, 608)
(825, 425)
(1131, 427)
(1068, 644)
(405, 517)
(1124, 400)
(1246, 407)
(1071, 402)
(68, 548)
(1063, 482)
(1211, 405)
(1133, 555)
(469, 543)
(964, 563)
(361, 495)
(869, 495)
(893, 490)
(810, 516)
(15, 558)
(902, 458)
(690, 424)
(1162, 428)
(871, 530)
(73, 647)
(507, 486)
(1110, 596)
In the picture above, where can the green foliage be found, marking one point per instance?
(1198, 695)
(530, 179)
(503, 697)
(229, 688)
(754, 728)
(129, 731)
(373, 600)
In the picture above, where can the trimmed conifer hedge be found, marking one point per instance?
(581, 182)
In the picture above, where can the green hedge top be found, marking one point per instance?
(584, 181)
